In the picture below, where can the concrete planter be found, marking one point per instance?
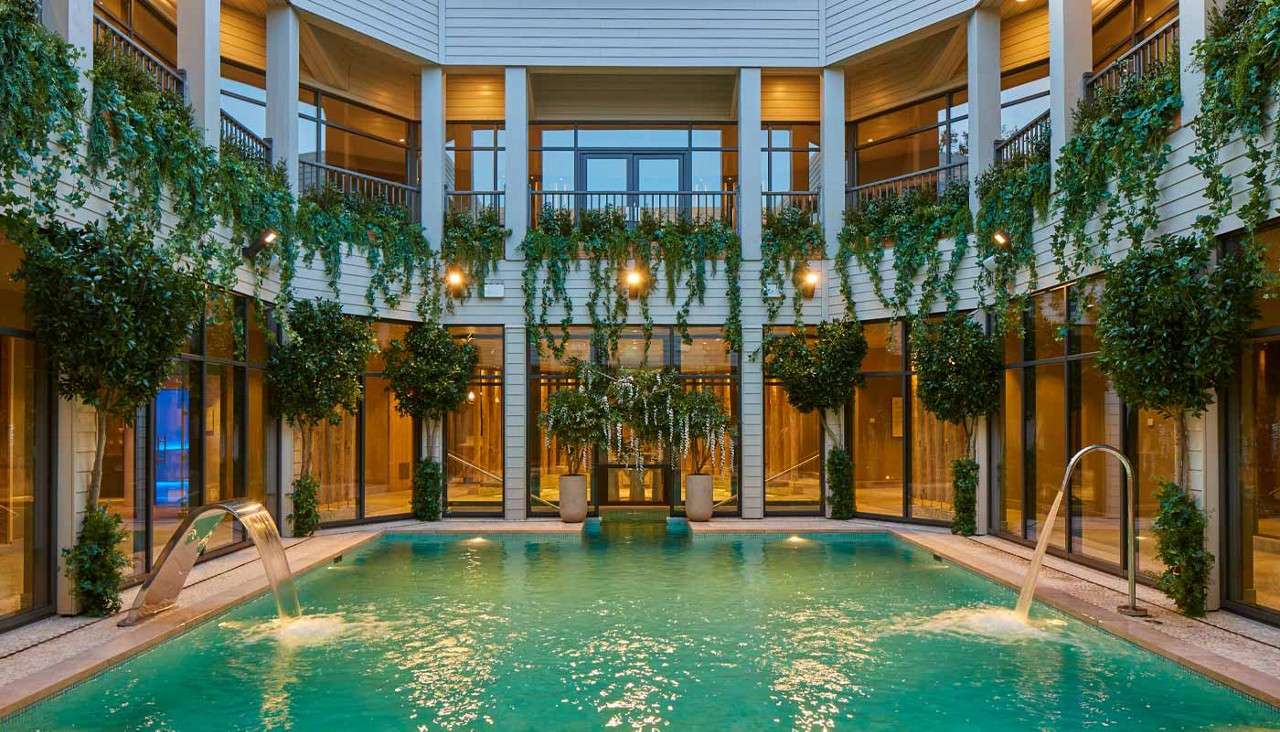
(698, 505)
(573, 498)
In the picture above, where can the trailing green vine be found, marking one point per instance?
(603, 238)
(40, 109)
(550, 250)
(789, 239)
(1109, 168)
(911, 223)
(474, 245)
(1240, 59)
(1011, 195)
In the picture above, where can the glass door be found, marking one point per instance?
(635, 182)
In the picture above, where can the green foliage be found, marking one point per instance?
(964, 501)
(252, 199)
(473, 244)
(317, 373)
(1240, 59)
(95, 565)
(429, 371)
(578, 419)
(789, 239)
(1109, 169)
(818, 375)
(681, 253)
(911, 223)
(305, 518)
(1179, 530)
(840, 484)
(958, 370)
(40, 108)
(330, 223)
(428, 491)
(1011, 195)
(703, 429)
(1170, 325)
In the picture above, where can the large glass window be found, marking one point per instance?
(25, 551)
(473, 433)
(1126, 24)
(144, 23)
(350, 135)
(1253, 486)
(793, 466)
(1056, 401)
(477, 156)
(907, 139)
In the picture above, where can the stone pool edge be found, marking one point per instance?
(49, 681)
(1219, 668)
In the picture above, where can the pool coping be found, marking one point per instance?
(53, 679)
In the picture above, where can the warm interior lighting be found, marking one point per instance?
(471, 397)
(1001, 238)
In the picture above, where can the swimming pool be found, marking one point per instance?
(646, 629)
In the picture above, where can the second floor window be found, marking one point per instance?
(477, 156)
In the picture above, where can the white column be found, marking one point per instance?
(73, 21)
(283, 61)
(285, 456)
(749, 144)
(68, 496)
(1205, 430)
(1070, 57)
(984, 94)
(1193, 18)
(433, 160)
(751, 484)
(199, 54)
(832, 145)
(515, 401)
(516, 100)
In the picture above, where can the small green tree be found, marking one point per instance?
(578, 419)
(315, 376)
(112, 312)
(702, 429)
(1170, 325)
(429, 371)
(958, 380)
(821, 376)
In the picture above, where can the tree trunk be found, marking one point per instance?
(1182, 458)
(306, 448)
(100, 451)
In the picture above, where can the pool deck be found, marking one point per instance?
(44, 657)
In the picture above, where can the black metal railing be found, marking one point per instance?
(1026, 141)
(1159, 47)
(234, 134)
(168, 79)
(473, 202)
(936, 179)
(313, 175)
(808, 201)
(699, 206)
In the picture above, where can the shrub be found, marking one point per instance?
(428, 491)
(305, 518)
(840, 483)
(429, 371)
(964, 519)
(578, 420)
(95, 565)
(1180, 527)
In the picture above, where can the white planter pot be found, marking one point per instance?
(698, 505)
(573, 498)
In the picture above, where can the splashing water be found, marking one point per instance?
(989, 623)
(1028, 592)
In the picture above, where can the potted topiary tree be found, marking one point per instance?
(958, 380)
(702, 433)
(577, 419)
(315, 376)
(112, 312)
(1170, 325)
(429, 371)
(821, 376)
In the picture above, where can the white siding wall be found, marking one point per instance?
(853, 26)
(413, 26)
(627, 33)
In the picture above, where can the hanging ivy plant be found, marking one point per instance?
(1011, 195)
(912, 224)
(1110, 167)
(789, 239)
(474, 245)
(550, 250)
(689, 251)
(603, 238)
(40, 109)
(1240, 59)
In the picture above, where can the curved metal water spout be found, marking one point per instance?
(160, 591)
(1131, 510)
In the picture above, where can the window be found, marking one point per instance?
(793, 465)
(1253, 481)
(1024, 96)
(350, 135)
(705, 365)
(927, 134)
(143, 23)
(473, 434)
(1128, 24)
(790, 165)
(244, 96)
(1056, 401)
(477, 156)
(902, 454)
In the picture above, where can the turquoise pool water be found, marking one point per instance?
(644, 629)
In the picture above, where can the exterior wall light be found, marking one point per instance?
(634, 281)
(809, 280)
(1001, 238)
(265, 239)
(455, 280)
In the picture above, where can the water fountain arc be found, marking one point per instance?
(1131, 530)
(160, 590)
